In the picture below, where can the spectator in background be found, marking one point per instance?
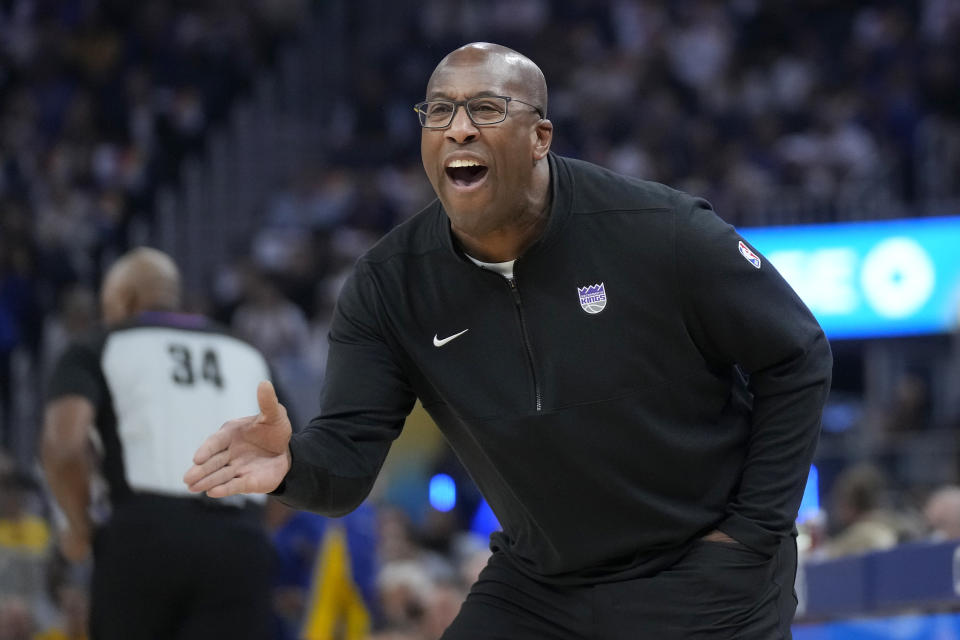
(942, 513)
(324, 573)
(9, 339)
(909, 409)
(395, 535)
(279, 329)
(16, 620)
(20, 322)
(403, 590)
(25, 549)
(68, 586)
(270, 321)
(861, 514)
(442, 606)
(414, 603)
(165, 563)
(74, 319)
(399, 541)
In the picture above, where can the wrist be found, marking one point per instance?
(282, 485)
(80, 527)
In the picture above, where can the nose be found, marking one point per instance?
(461, 129)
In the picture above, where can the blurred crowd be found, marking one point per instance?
(778, 113)
(775, 112)
(99, 104)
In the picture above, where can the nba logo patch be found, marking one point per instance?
(751, 257)
(593, 298)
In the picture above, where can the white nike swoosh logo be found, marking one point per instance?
(437, 342)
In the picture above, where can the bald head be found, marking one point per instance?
(142, 280)
(942, 512)
(515, 69)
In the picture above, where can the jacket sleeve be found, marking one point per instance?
(740, 311)
(364, 402)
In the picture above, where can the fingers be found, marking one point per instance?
(270, 408)
(219, 477)
(220, 440)
(245, 475)
(230, 488)
(260, 476)
(211, 446)
(213, 452)
(201, 477)
(211, 471)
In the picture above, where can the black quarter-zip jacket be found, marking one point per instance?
(605, 442)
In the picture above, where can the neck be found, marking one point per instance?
(509, 243)
(161, 310)
(156, 306)
(503, 245)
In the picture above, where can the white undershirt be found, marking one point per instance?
(503, 268)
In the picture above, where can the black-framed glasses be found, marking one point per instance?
(482, 110)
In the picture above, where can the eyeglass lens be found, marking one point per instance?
(485, 110)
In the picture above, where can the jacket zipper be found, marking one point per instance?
(526, 343)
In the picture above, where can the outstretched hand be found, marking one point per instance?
(247, 455)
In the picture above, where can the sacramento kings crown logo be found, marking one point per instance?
(593, 298)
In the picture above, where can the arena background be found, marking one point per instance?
(266, 143)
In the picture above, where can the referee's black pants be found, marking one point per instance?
(181, 569)
(716, 591)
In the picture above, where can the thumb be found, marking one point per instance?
(270, 409)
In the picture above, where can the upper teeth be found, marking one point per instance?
(463, 163)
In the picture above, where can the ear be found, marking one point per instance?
(542, 135)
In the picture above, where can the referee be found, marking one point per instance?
(166, 565)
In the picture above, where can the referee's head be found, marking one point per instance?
(142, 280)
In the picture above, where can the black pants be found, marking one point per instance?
(717, 590)
(188, 571)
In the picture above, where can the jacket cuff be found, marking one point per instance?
(751, 534)
(296, 476)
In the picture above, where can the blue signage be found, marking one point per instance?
(868, 279)
(936, 626)
(810, 504)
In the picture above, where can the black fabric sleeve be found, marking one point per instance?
(364, 402)
(741, 314)
(282, 396)
(77, 372)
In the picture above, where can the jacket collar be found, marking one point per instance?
(561, 190)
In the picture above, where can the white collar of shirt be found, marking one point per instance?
(503, 268)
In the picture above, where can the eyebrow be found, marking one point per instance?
(439, 95)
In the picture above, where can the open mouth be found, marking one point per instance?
(465, 173)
